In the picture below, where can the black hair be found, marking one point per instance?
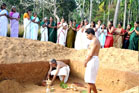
(53, 61)
(99, 20)
(104, 25)
(94, 24)
(3, 4)
(86, 20)
(111, 23)
(74, 20)
(81, 22)
(28, 10)
(137, 22)
(121, 23)
(90, 31)
(71, 20)
(130, 25)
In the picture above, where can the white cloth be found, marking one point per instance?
(34, 29)
(61, 38)
(64, 71)
(91, 70)
(44, 33)
(85, 41)
(102, 37)
(3, 23)
(78, 40)
(27, 28)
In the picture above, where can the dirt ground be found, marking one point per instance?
(22, 61)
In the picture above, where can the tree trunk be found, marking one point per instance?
(104, 17)
(83, 8)
(128, 16)
(124, 23)
(43, 9)
(55, 11)
(108, 11)
(90, 11)
(137, 12)
(116, 13)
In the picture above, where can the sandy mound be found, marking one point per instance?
(10, 86)
(118, 69)
(132, 90)
(14, 50)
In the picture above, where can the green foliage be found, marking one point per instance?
(63, 85)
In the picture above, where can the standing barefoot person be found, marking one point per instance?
(92, 61)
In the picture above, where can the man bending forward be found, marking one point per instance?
(62, 70)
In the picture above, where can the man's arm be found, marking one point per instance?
(54, 77)
(90, 55)
(49, 72)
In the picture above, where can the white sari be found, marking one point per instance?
(44, 33)
(85, 41)
(34, 28)
(27, 28)
(61, 38)
(3, 23)
(78, 39)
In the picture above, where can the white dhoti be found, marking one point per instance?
(27, 29)
(62, 35)
(44, 33)
(64, 71)
(91, 70)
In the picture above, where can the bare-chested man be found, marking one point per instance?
(62, 70)
(92, 61)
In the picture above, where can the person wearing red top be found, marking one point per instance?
(118, 36)
(109, 37)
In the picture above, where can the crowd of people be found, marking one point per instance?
(69, 34)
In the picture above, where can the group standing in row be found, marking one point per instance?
(69, 34)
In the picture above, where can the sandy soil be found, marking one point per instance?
(11, 86)
(21, 50)
(27, 60)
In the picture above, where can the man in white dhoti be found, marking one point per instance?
(3, 21)
(62, 70)
(92, 61)
(44, 29)
(62, 34)
(27, 25)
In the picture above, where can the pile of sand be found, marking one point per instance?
(10, 86)
(118, 67)
(14, 50)
(132, 90)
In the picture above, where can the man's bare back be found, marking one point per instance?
(60, 64)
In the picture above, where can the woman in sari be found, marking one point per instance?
(71, 35)
(102, 35)
(3, 21)
(93, 26)
(52, 31)
(27, 24)
(118, 36)
(44, 29)
(79, 36)
(126, 37)
(14, 22)
(34, 26)
(84, 40)
(109, 37)
(134, 37)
